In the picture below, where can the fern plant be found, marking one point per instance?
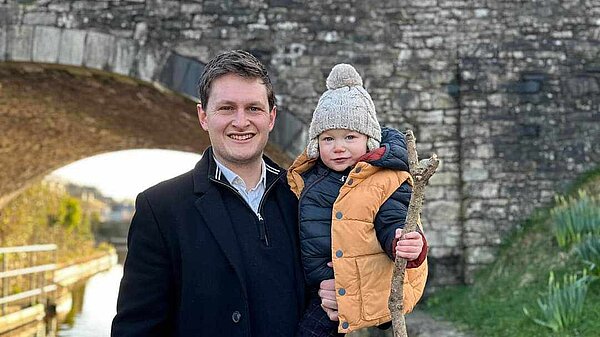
(575, 218)
(563, 304)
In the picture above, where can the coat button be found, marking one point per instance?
(342, 291)
(236, 316)
(350, 181)
(339, 253)
(357, 170)
(338, 215)
(345, 325)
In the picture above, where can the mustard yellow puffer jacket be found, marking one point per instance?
(362, 269)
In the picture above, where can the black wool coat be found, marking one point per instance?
(184, 273)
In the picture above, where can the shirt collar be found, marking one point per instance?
(236, 180)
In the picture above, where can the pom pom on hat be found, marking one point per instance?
(343, 75)
(345, 105)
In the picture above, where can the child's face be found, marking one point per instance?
(341, 148)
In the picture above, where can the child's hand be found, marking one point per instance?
(409, 245)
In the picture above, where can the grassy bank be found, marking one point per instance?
(493, 306)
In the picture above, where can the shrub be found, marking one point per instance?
(589, 251)
(575, 218)
(563, 304)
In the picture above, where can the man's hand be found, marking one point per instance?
(408, 245)
(327, 294)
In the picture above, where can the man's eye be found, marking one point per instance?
(255, 109)
(226, 107)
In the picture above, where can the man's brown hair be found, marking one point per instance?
(237, 62)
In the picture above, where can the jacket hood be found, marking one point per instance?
(392, 154)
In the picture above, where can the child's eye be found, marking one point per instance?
(327, 139)
(350, 137)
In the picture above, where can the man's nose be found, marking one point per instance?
(240, 119)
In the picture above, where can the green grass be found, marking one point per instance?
(493, 306)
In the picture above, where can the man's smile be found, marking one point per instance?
(241, 136)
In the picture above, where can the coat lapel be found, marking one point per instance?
(212, 210)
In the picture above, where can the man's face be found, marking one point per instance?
(238, 119)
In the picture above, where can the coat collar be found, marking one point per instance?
(206, 170)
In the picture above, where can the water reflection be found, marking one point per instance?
(94, 306)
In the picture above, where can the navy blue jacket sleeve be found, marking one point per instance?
(145, 303)
(392, 215)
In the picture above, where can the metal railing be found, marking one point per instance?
(24, 274)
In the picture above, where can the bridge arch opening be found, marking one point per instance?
(53, 115)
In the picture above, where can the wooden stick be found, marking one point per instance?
(421, 172)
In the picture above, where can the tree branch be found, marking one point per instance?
(421, 172)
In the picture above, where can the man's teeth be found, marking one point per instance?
(241, 137)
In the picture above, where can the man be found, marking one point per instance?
(214, 252)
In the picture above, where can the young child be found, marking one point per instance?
(353, 187)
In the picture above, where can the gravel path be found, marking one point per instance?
(419, 324)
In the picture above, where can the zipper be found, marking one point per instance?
(303, 193)
(261, 221)
(262, 227)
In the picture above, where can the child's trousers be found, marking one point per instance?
(315, 322)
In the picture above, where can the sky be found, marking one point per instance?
(123, 174)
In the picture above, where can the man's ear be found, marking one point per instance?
(272, 117)
(202, 118)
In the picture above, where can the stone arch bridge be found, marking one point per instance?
(507, 93)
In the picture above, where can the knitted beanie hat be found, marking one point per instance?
(345, 105)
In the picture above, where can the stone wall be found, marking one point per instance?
(505, 92)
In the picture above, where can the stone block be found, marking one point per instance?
(164, 9)
(9, 15)
(125, 53)
(475, 174)
(72, 44)
(434, 42)
(582, 86)
(40, 18)
(83, 5)
(19, 43)
(59, 7)
(480, 255)
(438, 252)
(148, 62)
(46, 44)
(431, 117)
(485, 190)
(98, 50)
(481, 12)
(442, 210)
(443, 101)
(191, 8)
(141, 32)
(434, 192)
(444, 178)
(3, 43)
(473, 239)
(443, 238)
(480, 225)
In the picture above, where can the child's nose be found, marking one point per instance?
(339, 147)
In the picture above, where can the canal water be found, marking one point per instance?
(94, 306)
